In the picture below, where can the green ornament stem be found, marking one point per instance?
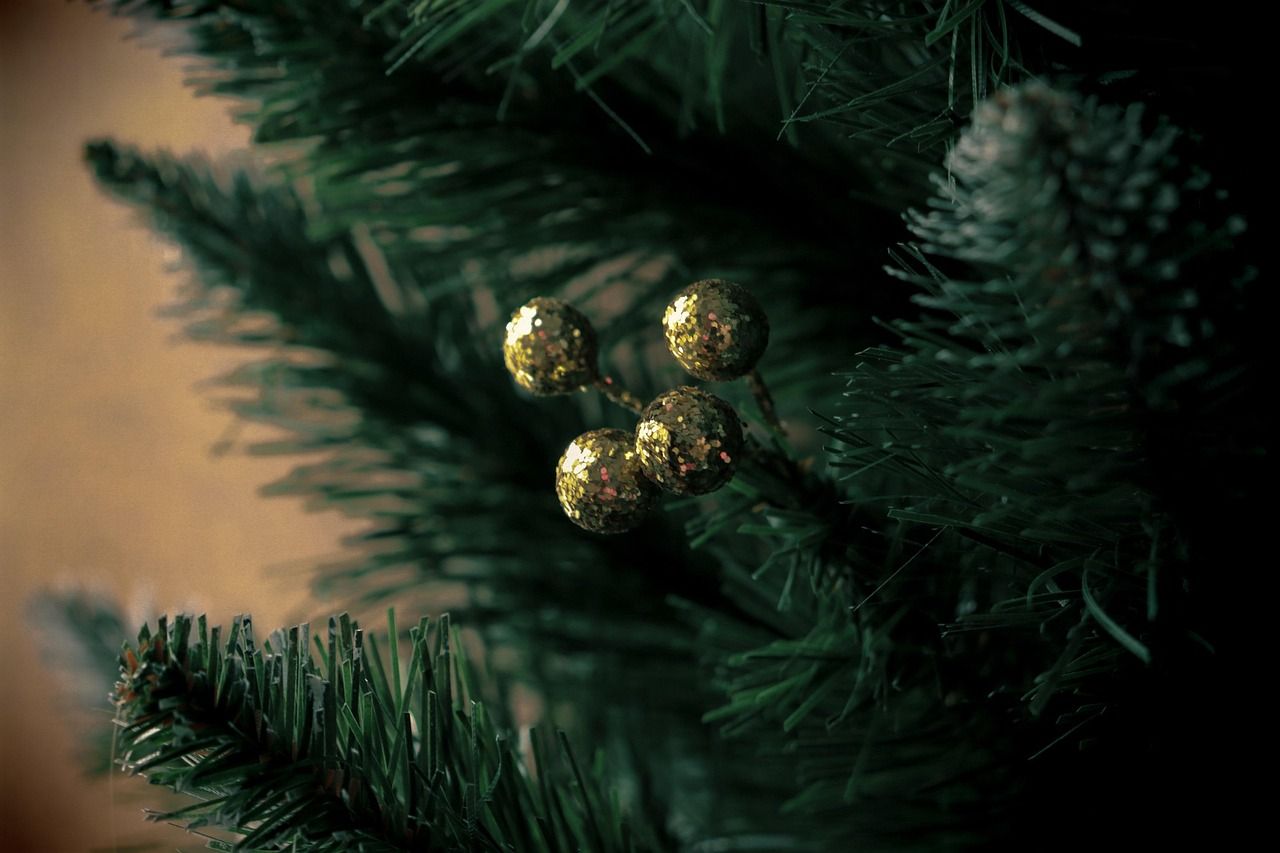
(764, 400)
(618, 395)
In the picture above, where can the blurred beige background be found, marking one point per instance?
(106, 471)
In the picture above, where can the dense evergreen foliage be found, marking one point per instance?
(975, 595)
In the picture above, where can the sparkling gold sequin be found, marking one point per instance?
(716, 329)
(599, 483)
(689, 441)
(550, 347)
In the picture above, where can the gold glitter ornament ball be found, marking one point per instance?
(599, 483)
(716, 329)
(550, 347)
(689, 441)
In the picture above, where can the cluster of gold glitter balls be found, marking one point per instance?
(687, 442)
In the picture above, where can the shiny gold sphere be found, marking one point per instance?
(716, 329)
(689, 441)
(600, 485)
(550, 347)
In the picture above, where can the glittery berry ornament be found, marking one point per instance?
(550, 347)
(716, 330)
(689, 441)
(600, 485)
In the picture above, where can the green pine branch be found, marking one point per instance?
(406, 415)
(585, 620)
(1033, 592)
(335, 748)
(872, 738)
(423, 162)
(877, 87)
(430, 195)
(1020, 410)
(1020, 416)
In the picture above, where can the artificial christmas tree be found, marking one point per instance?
(967, 598)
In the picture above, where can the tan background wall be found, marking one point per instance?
(106, 474)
